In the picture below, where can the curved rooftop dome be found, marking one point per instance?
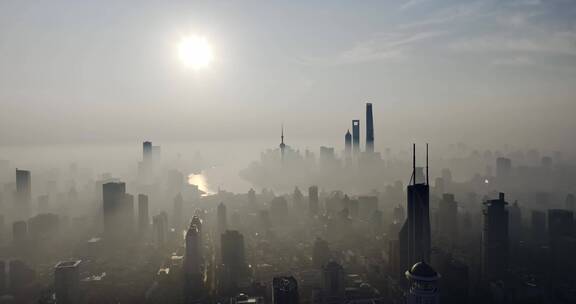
(421, 269)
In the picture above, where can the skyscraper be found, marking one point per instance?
(515, 222)
(369, 129)
(333, 287)
(313, 200)
(193, 264)
(118, 209)
(560, 223)
(3, 277)
(112, 195)
(233, 260)
(143, 216)
(503, 168)
(222, 218)
(321, 253)
(356, 136)
(282, 145)
(570, 203)
(448, 220)
(177, 212)
(562, 244)
(160, 226)
(423, 280)
(19, 233)
(147, 151)
(414, 237)
(347, 145)
(495, 239)
(67, 281)
(284, 290)
(538, 226)
(23, 194)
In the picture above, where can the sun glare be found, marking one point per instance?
(195, 52)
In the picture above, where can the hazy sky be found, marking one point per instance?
(445, 71)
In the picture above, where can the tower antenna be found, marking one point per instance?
(427, 180)
(414, 164)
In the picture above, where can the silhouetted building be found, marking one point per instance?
(367, 204)
(282, 145)
(321, 253)
(414, 237)
(3, 278)
(515, 222)
(313, 203)
(333, 285)
(177, 212)
(369, 129)
(560, 223)
(160, 226)
(448, 220)
(143, 216)
(503, 168)
(538, 226)
(193, 262)
(19, 233)
(285, 290)
(222, 218)
(233, 259)
(118, 210)
(43, 227)
(562, 244)
(356, 136)
(571, 202)
(23, 194)
(20, 276)
(348, 145)
(495, 243)
(147, 151)
(423, 280)
(67, 282)
(298, 201)
(279, 209)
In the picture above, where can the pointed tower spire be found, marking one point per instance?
(414, 164)
(427, 180)
(282, 145)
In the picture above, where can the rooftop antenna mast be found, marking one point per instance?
(427, 180)
(414, 164)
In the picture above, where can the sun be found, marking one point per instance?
(195, 52)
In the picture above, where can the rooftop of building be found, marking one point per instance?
(68, 264)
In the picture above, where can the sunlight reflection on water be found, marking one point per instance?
(201, 181)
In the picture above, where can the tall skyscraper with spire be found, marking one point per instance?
(356, 136)
(414, 237)
(369, 128)
(348, 144)
(193, 263)
(282, 145)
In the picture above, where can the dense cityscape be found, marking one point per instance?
(287, 152)
(501, 236)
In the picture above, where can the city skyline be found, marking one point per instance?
(467, 62)
(274, 152)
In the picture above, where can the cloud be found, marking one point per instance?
(517, 61)
(557, 43)
(386, 46)
(411, 4)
